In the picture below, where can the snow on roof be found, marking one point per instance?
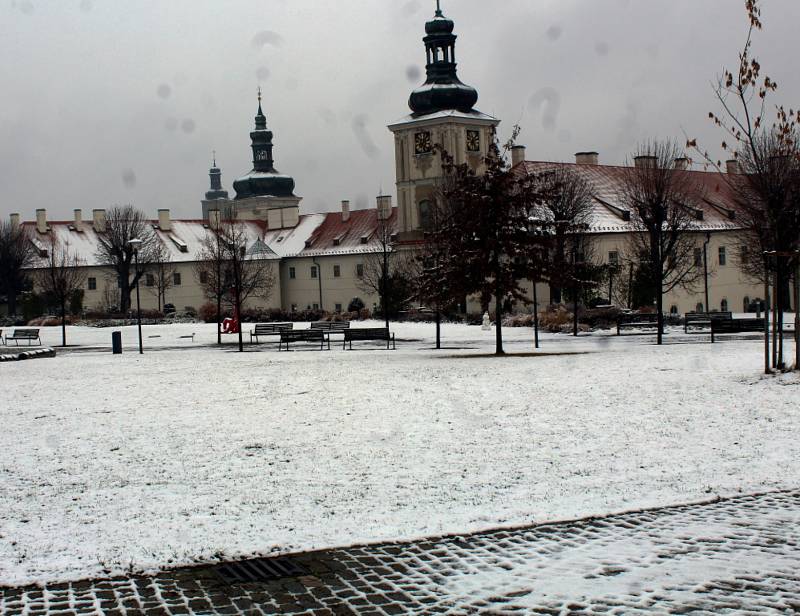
(715, 198)
(473, 115)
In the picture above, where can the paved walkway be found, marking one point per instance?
(738, 556)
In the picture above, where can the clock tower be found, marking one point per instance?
(443, 113)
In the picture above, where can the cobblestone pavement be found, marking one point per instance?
(737, 556)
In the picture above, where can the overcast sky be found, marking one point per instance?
(111, 102)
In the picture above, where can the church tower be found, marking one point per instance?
(264, 193)
(443, 112)
(216, 196)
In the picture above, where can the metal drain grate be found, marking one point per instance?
(259, 570)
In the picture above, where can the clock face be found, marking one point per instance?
(473, 141)
(423, 143)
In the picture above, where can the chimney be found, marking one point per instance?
(732, 166)
(99, 221)
(213, 219)
(587, 158)
(41, 220)
(645, 162)
(517, 155)
(14, 218)
(345, 211)
(384, 207)
(78, 219)
(164, 222)
(682, 163)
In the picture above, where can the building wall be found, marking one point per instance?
(303, 291)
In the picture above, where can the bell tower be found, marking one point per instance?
(443, 113)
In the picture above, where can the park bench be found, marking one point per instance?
(735, 326)
(268, 329)
(368, 333)
(24, 334)
(703, 319)
(303, 335)
(331, 326)
(636, 321)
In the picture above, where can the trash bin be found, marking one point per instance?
(116, 342)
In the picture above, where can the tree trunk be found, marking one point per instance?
(438, 329)
(766, 322)
(63, 322)
(498, 349)
(219, 319)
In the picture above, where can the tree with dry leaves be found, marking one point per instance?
(162, 270)
(768, 154)
(663, 200)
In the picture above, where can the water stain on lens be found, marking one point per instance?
(267, 37)
(362, 136)
(188, 126)
(164, 91)
(413, 73)
(262, 73)
(129, 178)
(548, 100)
(554, 33)
(601, 48)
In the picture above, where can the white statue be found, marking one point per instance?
(487, 322)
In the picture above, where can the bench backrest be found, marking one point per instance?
(721, 325)
(367, 333)
(271, 328)
(707, 316)
(330, 325)
(25, 333)
(302, 334)
(646, 317)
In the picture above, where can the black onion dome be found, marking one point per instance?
(264, 180)
(442, 89)
(440, 25)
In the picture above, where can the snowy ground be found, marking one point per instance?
(190, 453)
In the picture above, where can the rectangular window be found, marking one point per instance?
(360, 270)
(613, 257)
(313, 271)
(338, 307)
(92, 282)
(203, 277)
(176, 279)
(315, 306)
(698, 257)
(292, 273)
(149, 280)
(337, 271)
(722, 256)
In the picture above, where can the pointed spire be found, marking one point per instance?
(214, 158)
(259, 101)
(439, 10)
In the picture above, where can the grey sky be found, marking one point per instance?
(109, 102)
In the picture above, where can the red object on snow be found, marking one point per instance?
(231, 325)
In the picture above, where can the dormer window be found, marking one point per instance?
(364, 239)
(179, 243)
(337, 241)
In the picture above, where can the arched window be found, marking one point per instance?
(746, 304)
(425, 215)
(723, 305)
(673, 310)
(699, 308)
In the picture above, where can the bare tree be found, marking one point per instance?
(16, 254)
(662, 198)
(388, 273)
(60, 277)
(235, 269)
(567, 207)
(162, 269)
(114, 250)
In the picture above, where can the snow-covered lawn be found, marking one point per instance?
(190, 453)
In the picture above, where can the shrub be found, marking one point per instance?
(190, 311)
(208, 313)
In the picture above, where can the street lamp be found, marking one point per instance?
(135, 244)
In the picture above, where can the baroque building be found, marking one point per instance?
(320, 258)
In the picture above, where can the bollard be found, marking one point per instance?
(116, 342)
